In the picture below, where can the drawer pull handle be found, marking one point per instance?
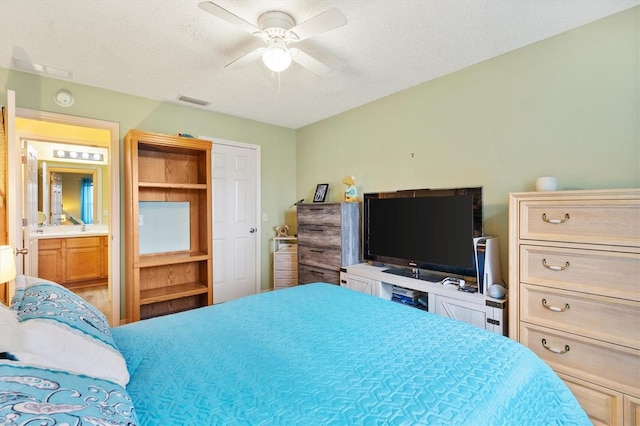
(555, 308)
(316, 251)
(554, 350)
(555, 267)
(555, 221)
(315, 230)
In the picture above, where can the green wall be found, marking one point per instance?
(132, 112)
(567, 106)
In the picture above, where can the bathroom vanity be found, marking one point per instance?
(70, 255)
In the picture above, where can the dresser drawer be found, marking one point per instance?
(285, 265)
(310, 274)
(284, 251)
(287, 274)
(320, 257)
(82, 242)
(285, 282)
(603, 406)
(609, 365)
(603, 318)
(631, 410)
(49, 244)
(286, 260)
(613, 222)
(322, 214)
(318, 235)
(607, 273)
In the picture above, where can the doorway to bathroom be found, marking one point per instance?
(52, 128)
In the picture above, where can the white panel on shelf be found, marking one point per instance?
(164, 227)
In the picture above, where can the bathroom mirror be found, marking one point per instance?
(64, 172)
(60, 197)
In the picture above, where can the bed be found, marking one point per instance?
(310, 355)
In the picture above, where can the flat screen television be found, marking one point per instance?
(431, 229)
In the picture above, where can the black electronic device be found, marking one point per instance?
(431, 229)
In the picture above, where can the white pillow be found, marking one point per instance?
(58, 329)
(10, 339)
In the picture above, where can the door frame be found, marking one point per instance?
(259, 239)
(14, 177)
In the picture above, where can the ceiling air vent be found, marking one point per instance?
(194, 100)
(30, 66)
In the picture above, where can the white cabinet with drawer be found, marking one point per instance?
(361, 284)
(285, 262)
(482, 316)
(574, 269)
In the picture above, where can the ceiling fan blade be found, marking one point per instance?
(327, 20)
(308, 62)
(229, 17)
(249, 57)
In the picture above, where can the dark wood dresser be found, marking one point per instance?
(328, 238)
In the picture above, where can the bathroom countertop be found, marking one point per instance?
(69, 231)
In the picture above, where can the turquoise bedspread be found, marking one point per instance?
(320, 354)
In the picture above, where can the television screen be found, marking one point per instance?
(429, 228)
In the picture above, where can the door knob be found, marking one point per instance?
(253, 230)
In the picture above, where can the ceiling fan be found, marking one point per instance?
(278, 30)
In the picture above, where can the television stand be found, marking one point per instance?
(473, 308)
(415, 273)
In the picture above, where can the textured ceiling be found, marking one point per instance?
(162, 49)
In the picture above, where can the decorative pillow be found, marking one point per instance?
(9, 332)
(61, 330)
(31, 395)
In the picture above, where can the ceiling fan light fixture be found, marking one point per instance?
(278, 30)
(276, 58)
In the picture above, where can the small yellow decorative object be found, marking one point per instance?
(282, 231)
(351, 193)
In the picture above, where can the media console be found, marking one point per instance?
(473, 308)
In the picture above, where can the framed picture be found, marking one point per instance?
(321, 193)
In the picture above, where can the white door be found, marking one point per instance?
(30, 210)
(31, 177)
(19, 200)
(14, 180)
(236, 238)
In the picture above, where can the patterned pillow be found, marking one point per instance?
(32, 395)
(61, 330)
(10, 338)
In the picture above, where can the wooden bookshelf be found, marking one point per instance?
(162, 168)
